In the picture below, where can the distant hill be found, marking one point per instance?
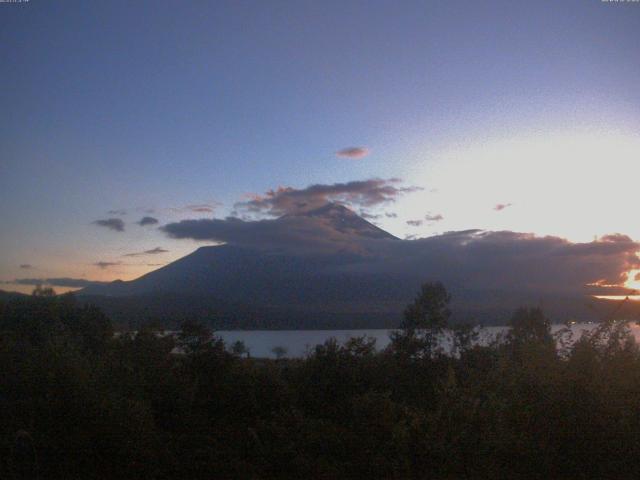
(5, 296)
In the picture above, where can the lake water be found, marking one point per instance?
(298, 342)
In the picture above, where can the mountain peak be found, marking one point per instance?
(331, 210)
(344, 220)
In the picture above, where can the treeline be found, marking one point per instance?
(77, 402)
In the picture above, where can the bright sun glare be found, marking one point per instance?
(578, 185)
(633, 280)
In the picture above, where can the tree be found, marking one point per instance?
(464, 336)
(530, 334)
(429, 310)
(530, 325)
(424, 320)
(41, 291)
(279, 351)
(239, 348)
(195, 338)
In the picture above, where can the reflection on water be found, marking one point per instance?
(298, 342)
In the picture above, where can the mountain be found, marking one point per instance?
(228, 271)
(234, 285)
(7, 296)
(344, 220)
(356, 276)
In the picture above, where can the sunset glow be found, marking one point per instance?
(518, 125)
(577, 184)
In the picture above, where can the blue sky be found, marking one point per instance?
(158, 105)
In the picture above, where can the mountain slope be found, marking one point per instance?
(271, 286)
(229, 270)
(344, 220)
(235, 286)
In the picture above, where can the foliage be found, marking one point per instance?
(78, 402)
(424, 320)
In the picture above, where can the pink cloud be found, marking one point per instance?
(354, 153)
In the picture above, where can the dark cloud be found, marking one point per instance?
(353, 152)
(147, 221)
(290, 233)
(56, 282)
(105, 265)
(26, 266)
(511, 260)
(415, 223)
(497, 261)
(391, 215)
(433, 218)
(117, 212)
(153, 251)
(501, 206)
(115, 224)
(314, 221)
(289, 200)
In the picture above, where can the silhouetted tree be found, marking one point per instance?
(279, 351)
(194, 337)
(464, 335)
(424, 320)
(239, 348)
(530, 329)
(41, 291)
(87, 404)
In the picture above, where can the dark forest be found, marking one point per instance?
(77, 401)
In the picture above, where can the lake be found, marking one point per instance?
(297, 342)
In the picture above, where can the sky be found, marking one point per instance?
(497, 115)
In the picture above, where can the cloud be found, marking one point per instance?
(26, 266)
(429, 218)
(147, 221)
(115, 224)
(369, 216)
(56, 282)
(202, 208)
(195, 208)
(353, 152)
(153, 251)
(474, 259)
(501, 206)
(295, 234)
(117, 212)
(512, 260)
(481, 261)
(361, 194)
(433, 218)
(105, 265)
(391, 215)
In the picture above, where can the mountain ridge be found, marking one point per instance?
(239, 286)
